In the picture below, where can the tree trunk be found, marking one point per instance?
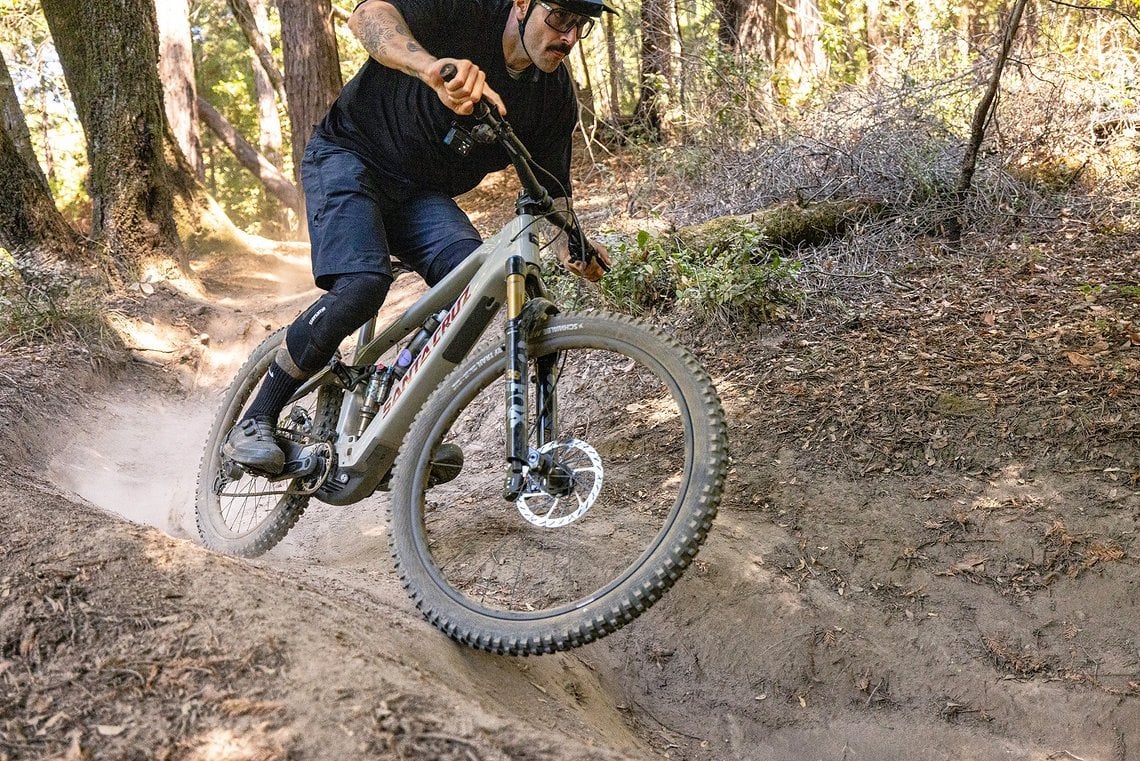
(757, 32)
(271, 177)
(979, 30)
(799, 54)
(873, 34)
(246, 15)
(269, 140)
(312, 68)
(43, 125)
(584, 92)
(1032, 27)
(176, 70)
(656, 68)
(108, 50)
(981, 119)
(961, 19)
(728, 22)
(31, 228)
(615, 76)
(12, 119)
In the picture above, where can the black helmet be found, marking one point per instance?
(591, 8)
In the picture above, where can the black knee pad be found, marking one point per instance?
(313, 337)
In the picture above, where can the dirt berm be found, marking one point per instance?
(927, 550)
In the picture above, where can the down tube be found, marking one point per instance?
(476, 306)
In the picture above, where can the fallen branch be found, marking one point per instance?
(271, 177)
(786, 227)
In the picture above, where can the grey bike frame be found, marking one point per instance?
(472, 294)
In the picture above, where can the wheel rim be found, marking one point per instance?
(615, 402)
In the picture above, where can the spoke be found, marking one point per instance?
(549, 550)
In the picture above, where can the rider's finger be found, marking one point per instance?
(493, 96)
(457, 91)
(477, 87)
(459, 86)
(602, 253)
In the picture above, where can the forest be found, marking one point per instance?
(901, 236)
(132, 141)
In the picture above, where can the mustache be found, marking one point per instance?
(561, 48)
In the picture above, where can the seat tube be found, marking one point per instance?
(363, 336)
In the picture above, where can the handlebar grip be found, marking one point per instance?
(483, 107)
(581, 250)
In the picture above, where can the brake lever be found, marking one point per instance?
(581, 250)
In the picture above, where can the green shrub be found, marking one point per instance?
(741, 281)
(47, 309)
(740, 288)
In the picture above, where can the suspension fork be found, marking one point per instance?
(546, 401)
(517, 450)
(524, 315)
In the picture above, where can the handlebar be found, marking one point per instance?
(536, 195)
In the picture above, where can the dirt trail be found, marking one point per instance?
(340, 651)
(943, 614)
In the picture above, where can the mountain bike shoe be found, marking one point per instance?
(251, 444)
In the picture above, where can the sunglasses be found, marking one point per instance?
(562, 21)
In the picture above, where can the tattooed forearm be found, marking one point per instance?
(411, 45)
(381, 33)
(386, 36)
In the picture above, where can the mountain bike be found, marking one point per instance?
(545, 489)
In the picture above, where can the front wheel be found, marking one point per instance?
(617, 500)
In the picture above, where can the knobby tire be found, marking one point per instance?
(249, 526)
(491, 579)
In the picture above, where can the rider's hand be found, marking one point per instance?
(592, 268)
(463, 91)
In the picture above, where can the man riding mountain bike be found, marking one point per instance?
(379, 179)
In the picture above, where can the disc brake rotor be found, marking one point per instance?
(541, 508)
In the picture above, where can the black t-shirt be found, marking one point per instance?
(397, 124)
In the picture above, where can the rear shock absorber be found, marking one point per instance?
(383, 378)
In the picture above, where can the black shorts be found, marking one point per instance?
(356, 226)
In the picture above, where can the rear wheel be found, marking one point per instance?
(618, 501)
(241, 513)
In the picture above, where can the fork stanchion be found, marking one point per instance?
(517, 449)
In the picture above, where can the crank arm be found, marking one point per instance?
(301, 463)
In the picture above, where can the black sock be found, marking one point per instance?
(312, 339)
(275, 390)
